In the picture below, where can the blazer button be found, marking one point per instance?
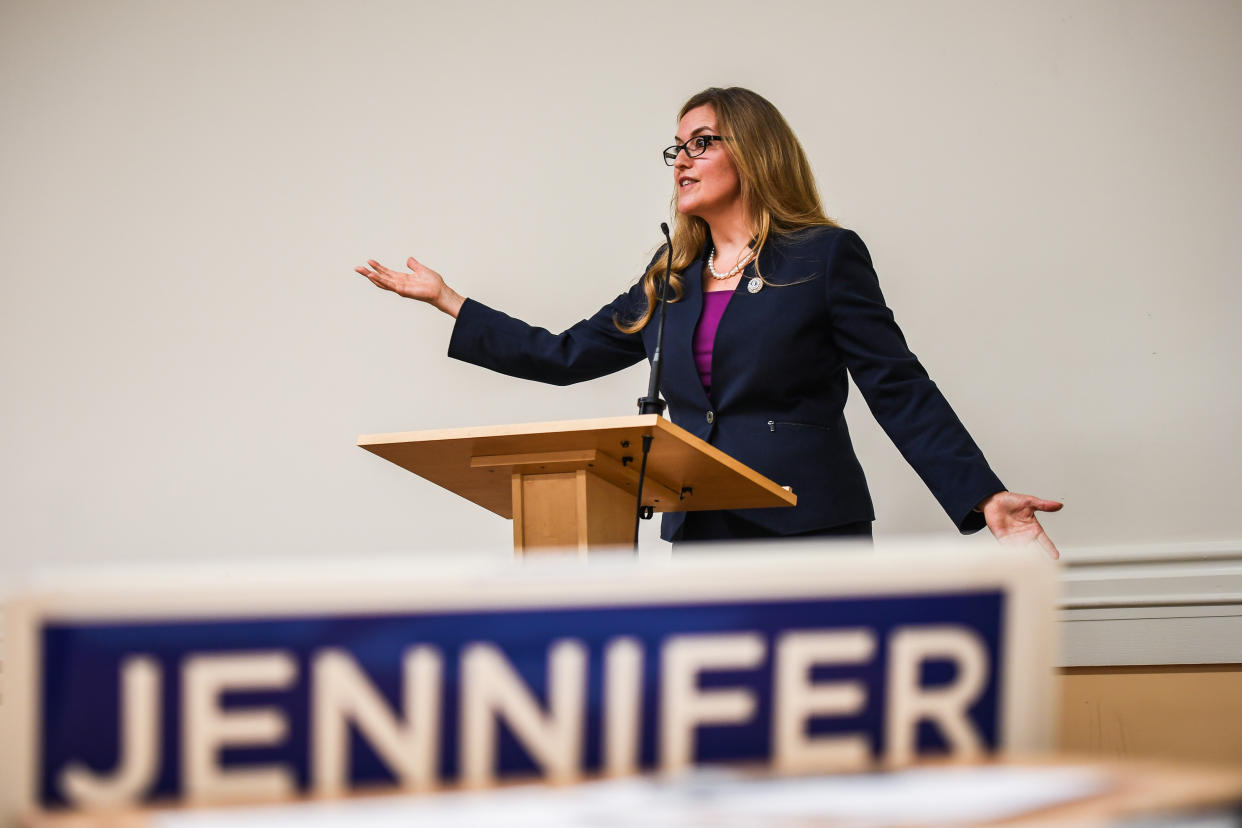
(711, 417)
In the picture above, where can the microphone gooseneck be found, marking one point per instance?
(652, 404)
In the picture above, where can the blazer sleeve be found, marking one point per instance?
(900, 394)
(592, 348)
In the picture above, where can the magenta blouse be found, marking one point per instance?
(714, 303)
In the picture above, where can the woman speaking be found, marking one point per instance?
(771, 303)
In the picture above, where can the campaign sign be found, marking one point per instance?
(548, 672)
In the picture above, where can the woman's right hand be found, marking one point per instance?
(421, 283)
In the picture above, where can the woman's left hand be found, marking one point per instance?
(1011, 517)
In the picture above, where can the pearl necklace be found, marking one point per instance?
(711, 265)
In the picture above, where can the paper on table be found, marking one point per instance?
(914, 797)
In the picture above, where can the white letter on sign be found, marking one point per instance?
(910, 703)
(139, 737)
(206, 728)
(341, 692)
(798, 699)
(623, 697)
(683, 706)
(492, 688)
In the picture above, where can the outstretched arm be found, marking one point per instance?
(488, 338)
(914, 413)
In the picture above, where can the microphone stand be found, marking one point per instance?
(652, 404)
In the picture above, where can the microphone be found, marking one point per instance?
(652, 404)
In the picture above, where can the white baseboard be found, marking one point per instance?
(1149, 605)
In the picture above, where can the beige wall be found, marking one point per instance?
(1050, 192)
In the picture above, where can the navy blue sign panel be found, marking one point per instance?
(142, 710)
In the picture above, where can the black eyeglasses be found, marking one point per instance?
(695, 147)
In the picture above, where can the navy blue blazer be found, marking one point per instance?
(779, 385)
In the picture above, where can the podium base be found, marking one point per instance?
(601, 515)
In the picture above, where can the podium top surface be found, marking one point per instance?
(478, 462)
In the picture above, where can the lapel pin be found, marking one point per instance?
(755, 285)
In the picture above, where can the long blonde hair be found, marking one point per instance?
(777, 187)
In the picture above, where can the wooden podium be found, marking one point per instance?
(571, 486)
